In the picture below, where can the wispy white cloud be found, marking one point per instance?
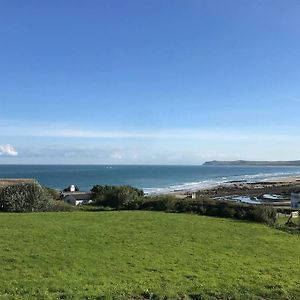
(8, 150)
(18, 129)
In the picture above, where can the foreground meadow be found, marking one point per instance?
(105, 255)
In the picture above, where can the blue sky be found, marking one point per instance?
(149, 82)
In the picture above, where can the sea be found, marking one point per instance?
(153, 179)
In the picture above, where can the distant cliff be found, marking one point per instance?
(252, 163)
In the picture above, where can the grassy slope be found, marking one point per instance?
(85, 254)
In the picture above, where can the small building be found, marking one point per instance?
(77, 198)
(295, 200)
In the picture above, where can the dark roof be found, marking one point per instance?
(79, 195)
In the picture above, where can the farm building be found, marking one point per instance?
(77, 198)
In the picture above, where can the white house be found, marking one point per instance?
(295, 200)
(77, 198)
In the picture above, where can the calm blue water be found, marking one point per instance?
(152, 179)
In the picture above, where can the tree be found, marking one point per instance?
(115, 196)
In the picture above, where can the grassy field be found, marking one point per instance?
(105, 255)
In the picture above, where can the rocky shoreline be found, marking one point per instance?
(275, 191)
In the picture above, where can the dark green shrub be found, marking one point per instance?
(116, 196)
(126, 197)
(24, 197)
(159, 203)
(198, 206)
(210, 207)
(262, 214)
(240, 213)
(227, 211)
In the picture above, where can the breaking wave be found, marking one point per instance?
(198, 185)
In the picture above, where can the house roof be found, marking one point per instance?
(78, 195)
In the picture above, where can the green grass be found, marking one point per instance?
(104, 255)
(293, 226)
(283, 219)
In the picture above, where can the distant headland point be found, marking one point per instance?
(252, 163)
